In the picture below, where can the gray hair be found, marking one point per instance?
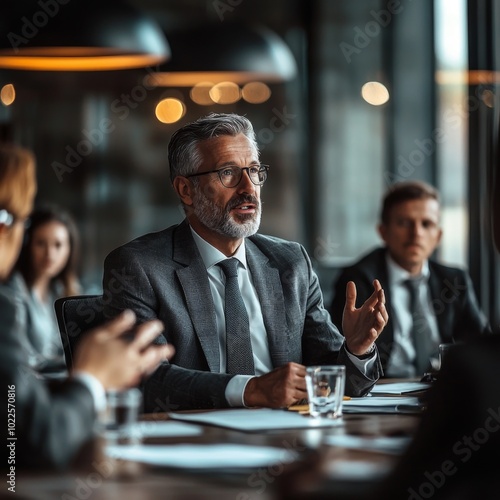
(183, 155)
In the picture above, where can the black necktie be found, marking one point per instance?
(239, 354)
(421, 330)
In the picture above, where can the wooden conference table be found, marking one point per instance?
(320, 467)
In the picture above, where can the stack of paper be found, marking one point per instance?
(399, 388)
(379, 404)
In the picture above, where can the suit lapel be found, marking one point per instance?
(195, 285)
(267, 282)
(379, 271)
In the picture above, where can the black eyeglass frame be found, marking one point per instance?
(263, 168)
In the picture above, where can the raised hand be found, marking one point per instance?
(363, 325)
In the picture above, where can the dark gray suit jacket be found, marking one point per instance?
(454, 301)
(162, 275)
(51, 424)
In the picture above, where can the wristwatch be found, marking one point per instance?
(366, 355)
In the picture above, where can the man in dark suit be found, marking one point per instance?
(175, 275)
(46, 426)
(410, 228)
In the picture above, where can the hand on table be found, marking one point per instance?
(277, 389)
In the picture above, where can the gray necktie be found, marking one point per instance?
(238, 346)
(421, 330)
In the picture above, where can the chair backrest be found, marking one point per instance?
(75, 316)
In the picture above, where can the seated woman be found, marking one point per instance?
(45, 271)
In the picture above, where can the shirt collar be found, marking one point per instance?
(211, 256)
(398, 275)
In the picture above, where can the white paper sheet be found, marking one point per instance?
(357, 470)
(399, 388)
(253, 420)
(167, 429)
(392, 445)
(209, 456)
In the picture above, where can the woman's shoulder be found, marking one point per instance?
(17, 284)
(9, 304)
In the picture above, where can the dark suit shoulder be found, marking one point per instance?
(10, 326)
(370, 266)
(446, 271)
(152, 247)
(278, 249)
(148, 242)
(7, 304)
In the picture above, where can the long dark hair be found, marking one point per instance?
(68, 276)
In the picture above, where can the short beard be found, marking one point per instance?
(219, 219)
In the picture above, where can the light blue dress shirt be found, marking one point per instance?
(403, 353)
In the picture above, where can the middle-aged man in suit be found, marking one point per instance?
(175, 276)
(410, 229)
(46, 426)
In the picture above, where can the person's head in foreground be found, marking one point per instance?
(55, 426)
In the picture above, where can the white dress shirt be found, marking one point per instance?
(403, 353)
(258, 335)
(95, 387)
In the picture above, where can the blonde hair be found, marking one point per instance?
(17, 179)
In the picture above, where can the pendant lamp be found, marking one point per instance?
(234, 52)
(78, 35)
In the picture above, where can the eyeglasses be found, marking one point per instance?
(231, 176)
(8, 219)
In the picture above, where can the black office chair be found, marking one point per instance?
(76, 315)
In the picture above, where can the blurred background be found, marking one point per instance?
(346, 98)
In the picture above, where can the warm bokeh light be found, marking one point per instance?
(375, 93)
(191, 78)
(200, 93)
(256, 92)
(75, 59)
(488, 97)
(170, 110)
(225, 93)
(472, 77)
(8, 94)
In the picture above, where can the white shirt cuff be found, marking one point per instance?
(236, 389)
(365, 366)
(95, 387)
